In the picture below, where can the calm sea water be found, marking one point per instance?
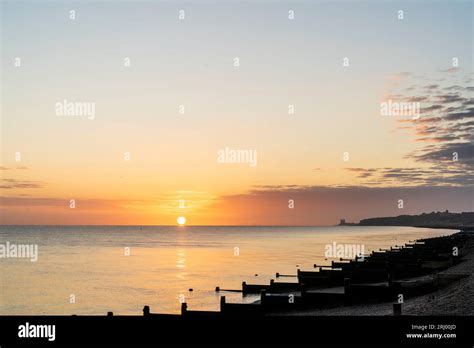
(164, 263)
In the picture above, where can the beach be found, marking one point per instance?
(455, 299)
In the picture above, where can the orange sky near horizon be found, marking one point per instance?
(160, 123)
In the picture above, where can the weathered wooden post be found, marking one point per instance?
(222, 304)
(146, 311)
(303, 288)
(110, 314)
(263, 301)
(184, 308)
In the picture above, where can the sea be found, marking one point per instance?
(92, 270)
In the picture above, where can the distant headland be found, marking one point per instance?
(432, 220)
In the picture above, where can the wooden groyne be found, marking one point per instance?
(382, 276)
(272, 287)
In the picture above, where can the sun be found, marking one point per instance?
(181, 220)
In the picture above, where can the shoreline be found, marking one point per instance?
(455, 299)
(279, 284)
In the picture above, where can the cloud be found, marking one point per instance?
(262, 205)
(446, 124)
(360, 169)
(439, 138)
(9, 184)
(10, 168)
(450, 70)
(433, 175)
(449, 98)
(446, 153)
(434, 107)
(92, 204)
(326, 205)
(460, 115)
(417, 99)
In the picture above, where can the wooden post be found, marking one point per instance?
(277, 275)
(244, 287)
(184, 308)
(222, 304)
(146, 311)
(263, 293)
(110, 314)
(397, 309)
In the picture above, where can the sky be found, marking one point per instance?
(150, 152)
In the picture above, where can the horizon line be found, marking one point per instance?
(106, 225)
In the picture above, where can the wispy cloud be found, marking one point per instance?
(444, 132)
(450, 70)
(431, 175)
(9, 184)
(13, 168)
